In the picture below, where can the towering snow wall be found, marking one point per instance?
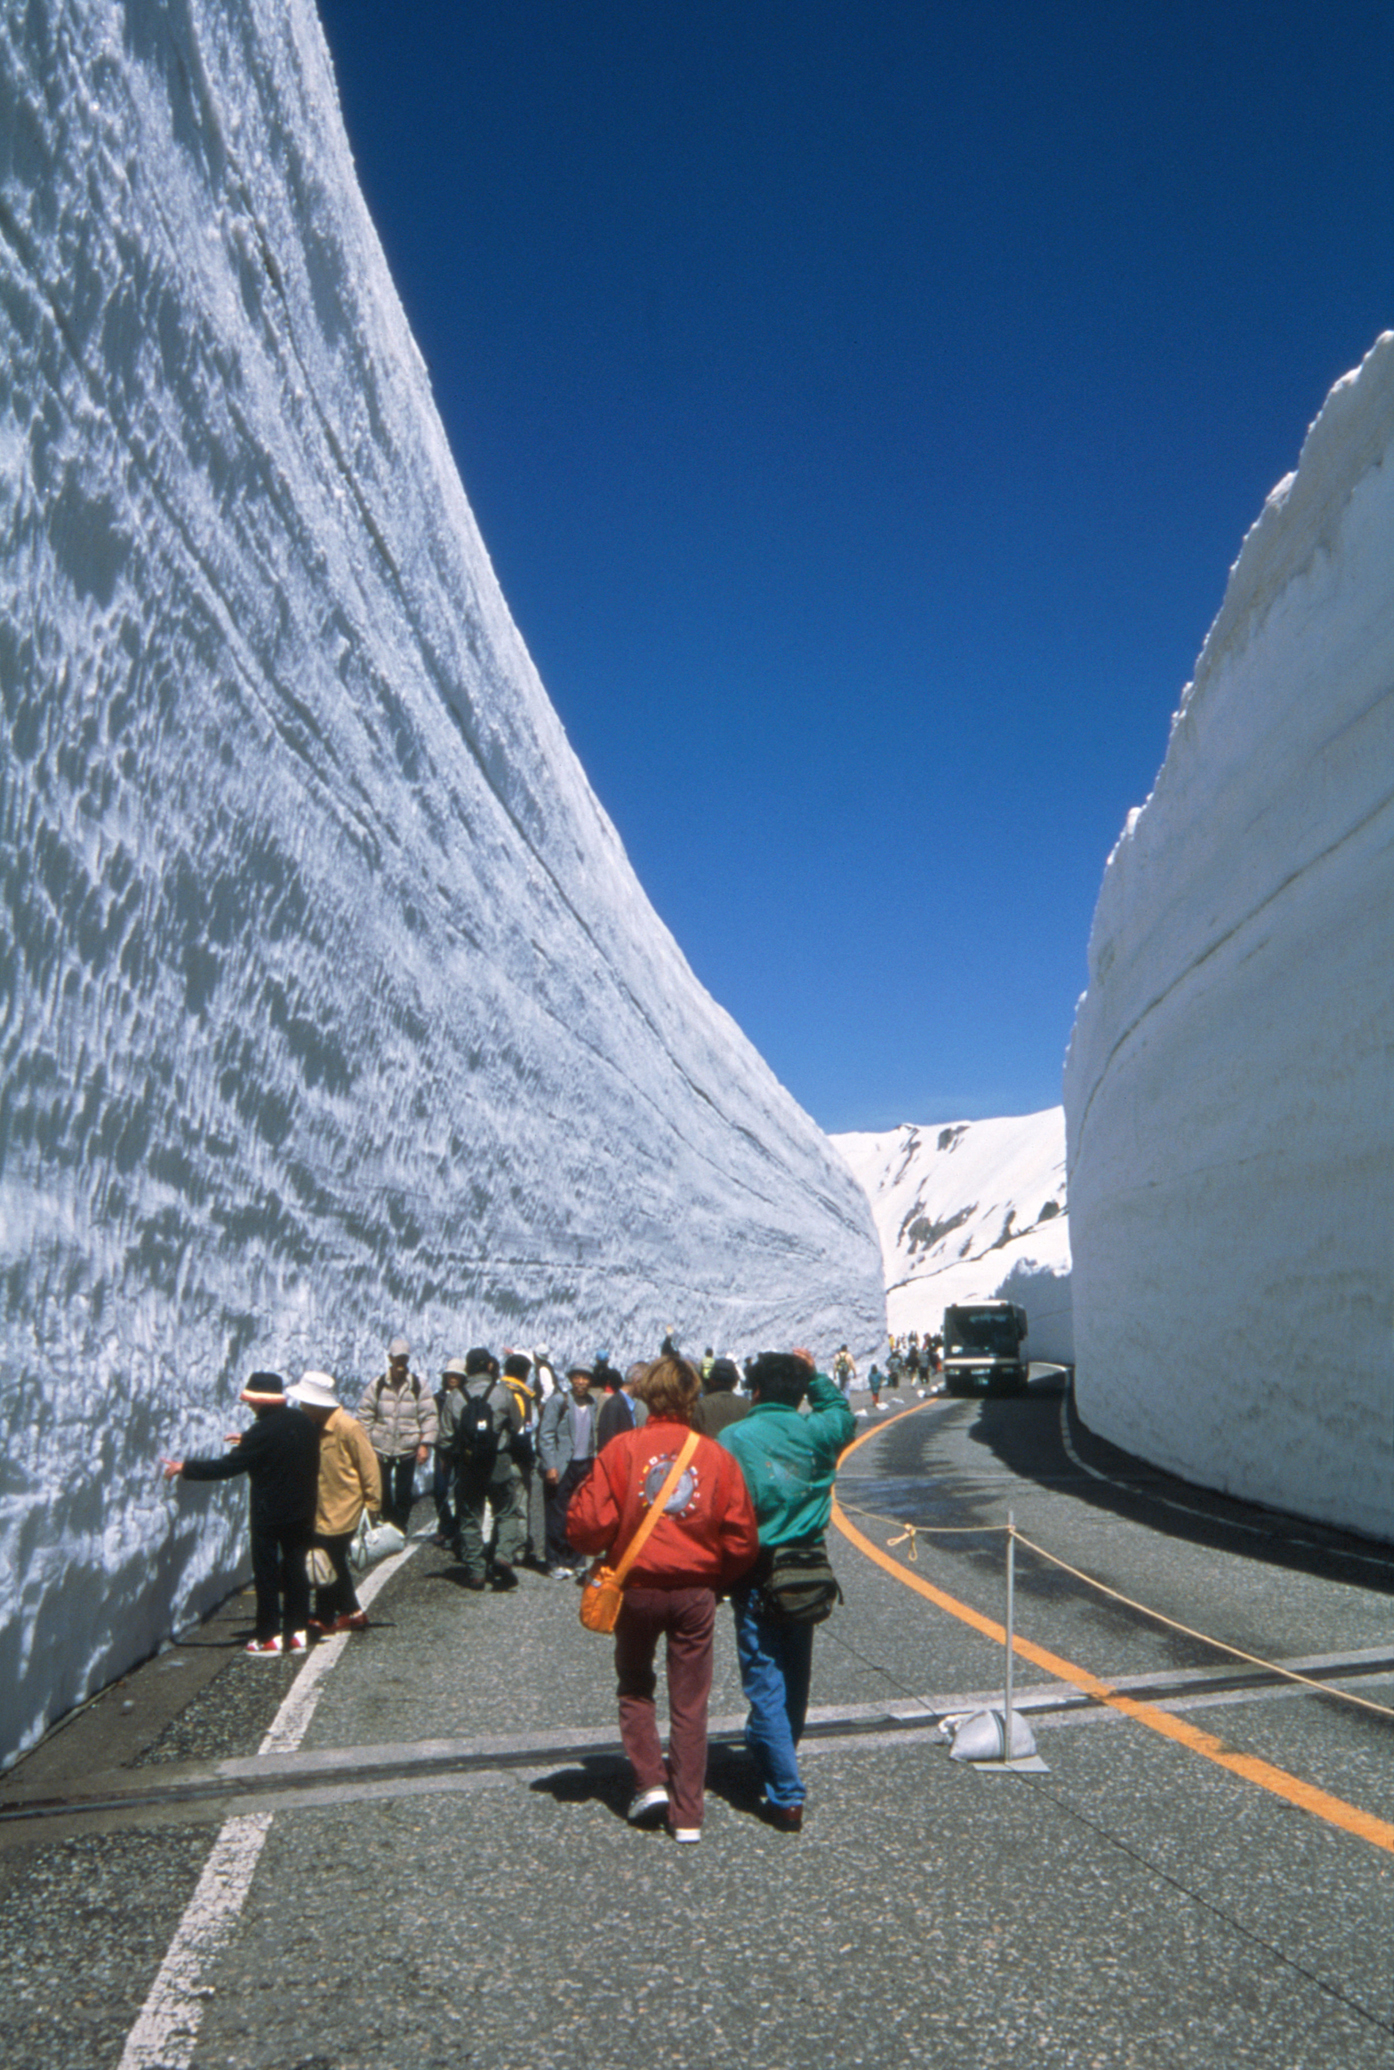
(972, 1211)
(332, 1007)
(1228, 1087)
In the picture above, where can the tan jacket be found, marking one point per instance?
(349, 1481)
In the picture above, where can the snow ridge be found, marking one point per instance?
(331, 1004)
(972, 1211)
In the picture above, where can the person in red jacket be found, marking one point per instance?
(706, 1539)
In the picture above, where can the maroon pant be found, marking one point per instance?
(688, 1617)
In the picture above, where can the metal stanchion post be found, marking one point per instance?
(1011, 1619)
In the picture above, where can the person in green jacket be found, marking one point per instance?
(789, 1461)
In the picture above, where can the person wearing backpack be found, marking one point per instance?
(482, 1422)
(399, 1416)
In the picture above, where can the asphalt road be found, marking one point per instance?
(443, 1875)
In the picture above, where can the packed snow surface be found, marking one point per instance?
(1228, 1087)
(332, 1007)
(972, 1211)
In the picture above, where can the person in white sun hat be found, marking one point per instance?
(349, 1483)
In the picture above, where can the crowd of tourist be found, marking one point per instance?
(738, 1466)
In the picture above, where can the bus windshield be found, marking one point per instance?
(988, 1332)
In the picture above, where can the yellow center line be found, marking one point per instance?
(1334, 1810)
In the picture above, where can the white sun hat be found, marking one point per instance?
(317, 1389)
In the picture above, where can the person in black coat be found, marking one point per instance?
(280, 1456)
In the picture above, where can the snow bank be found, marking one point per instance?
(1228, 1085)
(332, 1007)
(972, 1211)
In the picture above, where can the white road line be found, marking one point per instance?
(166, 2028)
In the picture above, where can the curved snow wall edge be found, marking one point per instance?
(331, 1004)
(1228, 1087)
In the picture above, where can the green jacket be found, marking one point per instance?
(789, 1460)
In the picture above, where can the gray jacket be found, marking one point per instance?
(555, 1442)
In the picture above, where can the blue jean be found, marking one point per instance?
(776, 1668)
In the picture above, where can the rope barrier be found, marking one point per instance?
(877, 1516)
(1364, 1703)
(912, 1532)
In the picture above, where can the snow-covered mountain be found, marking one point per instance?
(332, 1007)
(972, 1211)
(1228, 1088)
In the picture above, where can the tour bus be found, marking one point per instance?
(984, 1348)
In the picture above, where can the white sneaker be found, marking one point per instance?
(561, 1573)
(687, 1833)
(640, 1812)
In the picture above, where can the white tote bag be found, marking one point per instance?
(373, 1542)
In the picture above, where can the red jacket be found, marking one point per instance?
(707, 1536)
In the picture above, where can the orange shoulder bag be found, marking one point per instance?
(603, 1590)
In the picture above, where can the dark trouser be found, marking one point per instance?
(502, 1488)
(688, 1616)
(558, 1502)
(442, 1480)
(340, 1599)
(398, 1477)
(282, 1585)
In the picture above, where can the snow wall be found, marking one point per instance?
(331, 1005)
(972, 1211)
(1228, 1086)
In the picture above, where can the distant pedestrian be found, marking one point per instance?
(705, 1538)
(518, 1377)
(621, 1410)
(566, 1443)
(442, 1465)
(720, 1403)
(544, 1374)
(400, 1419)
(483, 1420)
(844, 1369)
(605, 1378)
(280, 1456)
(874, 1382)
(789, 1460)
(349, 1484)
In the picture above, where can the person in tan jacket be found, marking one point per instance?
(349, 1483)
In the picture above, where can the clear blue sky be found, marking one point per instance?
(862, 404)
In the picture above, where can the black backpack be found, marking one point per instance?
(474, 1442)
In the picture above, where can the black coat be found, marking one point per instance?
(280, 1455)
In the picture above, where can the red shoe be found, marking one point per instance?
(351, 1621)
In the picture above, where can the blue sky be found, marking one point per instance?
(862, 405)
